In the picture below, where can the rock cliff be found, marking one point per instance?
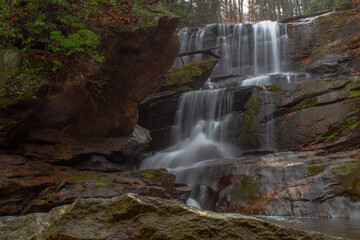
(73, 135)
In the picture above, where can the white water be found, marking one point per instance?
(198, 133)
(246, 49)
(254, 51)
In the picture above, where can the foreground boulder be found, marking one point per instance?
(135, 217)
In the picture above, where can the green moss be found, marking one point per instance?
(82, 177)
(345, 127)
(41, 202)
(273, 88)
(151, 174)
(245, 190)
(188, 72)
(252, 106)
(354, 94)
(101, 180)
(306, 103)
(50, 194)
(345, 169)
(316, 169)
(12, 101)
(249, 138)
(331, 137)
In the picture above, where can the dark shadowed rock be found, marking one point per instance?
(135, 217)
(55, 147)
(92, 101)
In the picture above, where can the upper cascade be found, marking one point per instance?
(247, 49)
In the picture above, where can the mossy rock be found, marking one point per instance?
(347, 180)
(244, 189)
(346, 168)
(188, 74)
(102, 180)
(152, 174)
(343, 128)
(249, 137)
(82, 177)
(313, 170)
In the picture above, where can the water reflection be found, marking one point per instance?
(346, 228)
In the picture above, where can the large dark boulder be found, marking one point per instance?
(135, 217)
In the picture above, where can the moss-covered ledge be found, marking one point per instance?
(191, 76)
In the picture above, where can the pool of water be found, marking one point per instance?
(346, 228)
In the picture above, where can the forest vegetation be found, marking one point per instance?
(198, 12)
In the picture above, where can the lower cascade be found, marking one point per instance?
(199, 130)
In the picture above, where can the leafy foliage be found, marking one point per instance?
(61, 27)
(48, 33)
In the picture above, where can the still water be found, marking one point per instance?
(346, 228)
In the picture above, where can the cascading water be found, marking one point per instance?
(251, 49)
(199, 130)
(257, 53)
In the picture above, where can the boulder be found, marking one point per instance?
(135, 217)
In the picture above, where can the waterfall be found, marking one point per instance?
(247, 49)
(199, 130)
(256, 54)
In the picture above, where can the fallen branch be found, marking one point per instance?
(206, 52)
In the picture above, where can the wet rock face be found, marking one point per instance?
(314, 112)
(35, 186)
(289, 116)
(309, 183)
(134, 217)
(326, 45)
